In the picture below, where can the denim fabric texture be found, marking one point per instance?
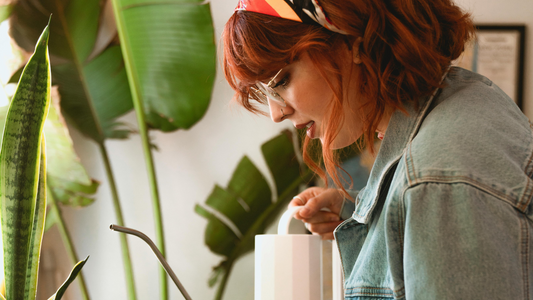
(446, 213)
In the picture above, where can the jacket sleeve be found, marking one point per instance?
(461, 242)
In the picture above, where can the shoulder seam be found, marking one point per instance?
(471, 182)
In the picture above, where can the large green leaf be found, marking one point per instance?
(93, 98)
(67, 178)
(218, 237)
(247, 203)
(73, 32)
(93, 93)
(19, 169)
(281, 161)
(169, 50)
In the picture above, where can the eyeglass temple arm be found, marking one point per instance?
(271, 82)
(157, 253)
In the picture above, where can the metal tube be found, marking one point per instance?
(157, 254)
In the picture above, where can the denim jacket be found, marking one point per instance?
(446, 213)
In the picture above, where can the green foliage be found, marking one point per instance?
(247, 203)
(75, 271)
(19, 174)
(169, 49)
(66, 177)
(169, 54)
(93, 86)
(23, 175)
(172, 70)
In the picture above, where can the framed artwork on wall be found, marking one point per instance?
(498, 53)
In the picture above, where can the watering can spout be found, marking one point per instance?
(157, 253)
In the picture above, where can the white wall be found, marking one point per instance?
(188, 164)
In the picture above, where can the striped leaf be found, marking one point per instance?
(19, 167)
(37, 230)
(75, 271)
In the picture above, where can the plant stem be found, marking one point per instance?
(136, 95)
(160, 237)
(130, 282)
(222, 285)
(67, 241)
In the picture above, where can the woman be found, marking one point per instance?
(446, 213)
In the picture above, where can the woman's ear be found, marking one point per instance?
(355, 50)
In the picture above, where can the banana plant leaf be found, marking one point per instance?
(247, 203)
(173, 69)
(169, 51)
(93, 93)
(67, 179)
(22, 197)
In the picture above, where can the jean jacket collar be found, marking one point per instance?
(401, 130)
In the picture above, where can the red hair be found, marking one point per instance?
(407, 46)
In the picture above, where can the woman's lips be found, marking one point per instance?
(311, 129)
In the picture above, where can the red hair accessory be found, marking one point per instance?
(305, 11)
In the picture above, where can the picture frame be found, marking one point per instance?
(498, 52)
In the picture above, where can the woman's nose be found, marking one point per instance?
(279, 113)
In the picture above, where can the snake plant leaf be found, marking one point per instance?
(75, 271)
(169, 50)
(37, 229)
(93, 93)
(5, 11)
(247, 203)
(19, 165)
(66, 177)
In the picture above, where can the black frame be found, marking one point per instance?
(521, 29)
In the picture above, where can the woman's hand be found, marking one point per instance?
(317, 220)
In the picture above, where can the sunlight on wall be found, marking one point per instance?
(10, 60)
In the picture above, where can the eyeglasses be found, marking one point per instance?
(263, 92)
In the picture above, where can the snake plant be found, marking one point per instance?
(23, 178)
